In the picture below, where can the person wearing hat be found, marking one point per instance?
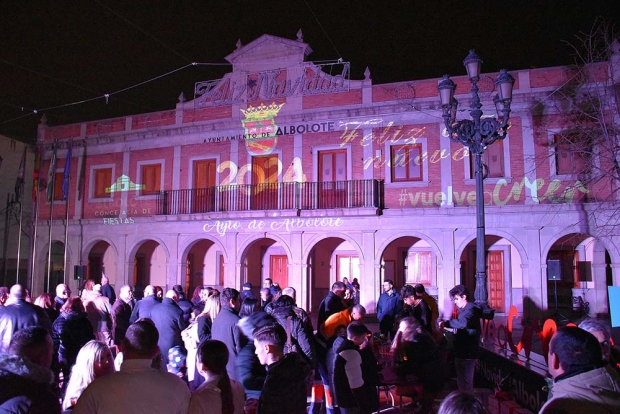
(246, 291)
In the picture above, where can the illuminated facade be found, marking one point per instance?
(288, 170)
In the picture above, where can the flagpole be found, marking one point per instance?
(19, 241)
(51, 177)
(34, 243)
(66, 233)
(49, 247)
(35, 197)
(19, 190)
(66, 187)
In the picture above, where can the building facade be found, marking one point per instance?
(288, 169)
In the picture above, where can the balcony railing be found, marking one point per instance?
(273, 196)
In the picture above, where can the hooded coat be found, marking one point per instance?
(73, 330)
(26, 387)
(285, 390)
(250, 372)
(594, 391)
(299, 336)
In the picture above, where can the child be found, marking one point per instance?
(354, 387)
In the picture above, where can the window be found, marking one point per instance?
(204, 174)
(332, 166)
(406, 162)
(493, 157)
(103, 182)
(571, 154)
(347, 266)
(419, 267)
(333, 179)
(150, 179)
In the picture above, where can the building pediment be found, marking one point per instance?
(269, 52)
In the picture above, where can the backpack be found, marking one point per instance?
(289, 346)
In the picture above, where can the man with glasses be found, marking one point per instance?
(601, 332)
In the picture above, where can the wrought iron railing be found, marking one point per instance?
(273, 196)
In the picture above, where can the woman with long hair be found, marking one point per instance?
(205, 319)
(44, 301)
(249, 306)
(218, 394)
(93, 361)
(196, 296)
(416, 353)
(88, 290)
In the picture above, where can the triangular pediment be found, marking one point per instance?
(269, 50)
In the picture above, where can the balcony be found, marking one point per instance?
(273, 196)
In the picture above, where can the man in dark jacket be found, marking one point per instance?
(107, 290)
(284, 390)
(332, 303)
(19, 314)
(26, 382)
(329, 306)
(62, 294)
(121, 314)
(225, 327)
(185, 305)
(168, 318)
(389, 306)
(143, 307)
(246, 291)
(466, 328)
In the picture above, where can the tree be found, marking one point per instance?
(579, 123)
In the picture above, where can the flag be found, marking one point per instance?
(50, 176)
(82, 174)
(36, 174)
(67, 173)
(19, 182)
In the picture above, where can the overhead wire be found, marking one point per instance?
(323, 29)
(143, 31)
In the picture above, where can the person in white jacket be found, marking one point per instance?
(582, 382)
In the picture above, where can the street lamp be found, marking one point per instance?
(476, 134)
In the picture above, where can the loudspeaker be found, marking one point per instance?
(554, 271)
(79, 272)
(585, 271)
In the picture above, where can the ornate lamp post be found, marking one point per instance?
(476, 134)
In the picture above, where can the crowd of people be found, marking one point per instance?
(233, 352)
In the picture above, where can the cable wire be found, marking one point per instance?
(143, 31)
(323, 29)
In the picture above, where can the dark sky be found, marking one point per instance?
(59, 53)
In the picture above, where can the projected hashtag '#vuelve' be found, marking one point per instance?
(403, 197)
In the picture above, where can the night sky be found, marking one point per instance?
(59, 53)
